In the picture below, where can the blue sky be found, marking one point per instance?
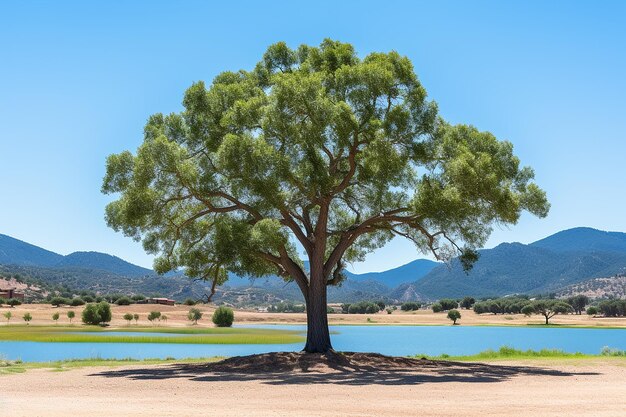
(79, 79)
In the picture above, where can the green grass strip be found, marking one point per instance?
(93, 334)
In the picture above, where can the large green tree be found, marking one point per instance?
(314, 151)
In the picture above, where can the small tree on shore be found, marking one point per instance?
(547, 308)
(454, 315)
(136, 318)
(128, 317)
(8, 316)
(98, 313)
(578, 303)
(164, 318)
(437, 308)
(194, 315)
(71, 315)
(592, 311)
(154, 315)
(27, 318)
(55, 317)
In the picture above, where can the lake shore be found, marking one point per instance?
(177, 317)
(519, 388)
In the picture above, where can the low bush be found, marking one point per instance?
(223, 317)
(363, 307)
(75, 302)
(613, 308)
(97, 313)
(448, 303)
(189, 302)
(59, 301)
(410, 306)
(592, 310)
(13, 302)
(124, 301)
(437, 308)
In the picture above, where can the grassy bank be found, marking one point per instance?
(509, 353)
(196, 335)
(17, 367)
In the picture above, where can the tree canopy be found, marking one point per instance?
(313, 150)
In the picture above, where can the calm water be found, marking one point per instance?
(390, 340)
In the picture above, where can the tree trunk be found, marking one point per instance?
(547, 318)
(317, 335)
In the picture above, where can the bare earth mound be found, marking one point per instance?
(345, 368)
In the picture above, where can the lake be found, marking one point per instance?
(388, 340)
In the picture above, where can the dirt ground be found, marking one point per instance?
(585, 388)
(177, 316)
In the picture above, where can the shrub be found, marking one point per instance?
(448, 303)
(3, 301)
(389, 310)
(8, 316)
(454, 315)
(71, 315)
(55, 317)
(437, 308)
(59, 301)
(88, 298)
(468, 302)
(381, 305)
(345, 308)
(138, 297)
(77, 302)
(136, 317)
(410, 306)
(13, 302)
(610, 308)
(97, 313)
(27, 318)
(124, 301)
(363, 307)
(194, 315)
(592, 310)
(223, 317)
(527, 310)
(154, 315)
(189, 302)
(128, 317)
(164, 317)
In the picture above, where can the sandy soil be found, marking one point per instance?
(587, 388)
(177, 316)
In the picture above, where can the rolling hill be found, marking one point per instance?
(548, 265)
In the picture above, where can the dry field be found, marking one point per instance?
(177, 316)
(530, 388)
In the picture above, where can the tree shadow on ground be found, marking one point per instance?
(342, 369)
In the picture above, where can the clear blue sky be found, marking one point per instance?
(79, 79)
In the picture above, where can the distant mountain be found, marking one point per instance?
(413, 271)
(584, 239)
(102, 261)
(17, 252)
(547, 265)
